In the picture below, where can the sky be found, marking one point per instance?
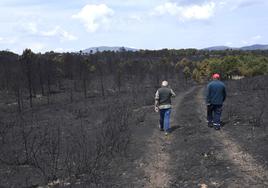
(73, 25)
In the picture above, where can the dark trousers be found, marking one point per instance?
(214, 114)
(164, 118)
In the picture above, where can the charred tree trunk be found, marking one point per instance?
(30, 88)
(85, 87)
(102, 85)
(41, 80)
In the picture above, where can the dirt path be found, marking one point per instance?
(193, 155)
(157, 155)
(251, 171)
(199, 156)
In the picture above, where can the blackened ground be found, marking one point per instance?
(149, 156)
(203, 156)
(194, 155)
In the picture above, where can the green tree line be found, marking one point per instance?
(230, 66)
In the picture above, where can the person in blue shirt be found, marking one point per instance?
(216, 94)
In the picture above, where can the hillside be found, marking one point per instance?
(255, 47)
(107, 48)
(217, 48)
(244, 48)
(212, 48)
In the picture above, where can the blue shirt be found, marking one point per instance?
(216, 92)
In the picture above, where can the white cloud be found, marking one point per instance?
(199, 12)
(135, 17)
(30, 28)
(37, 47)
(58, 31)
(187, 12)
(35, 29)
(233, 5)
(257, 37)
(228, 43)
(8, 40)
(168, 8)
(252, 40)
(60, 50)
(94, 16)
(244, 42)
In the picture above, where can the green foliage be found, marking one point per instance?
(227, 66)
(187, 72)
(202, 70)
(231, 65)
(196, 75)
(253, 66)
(184, 62)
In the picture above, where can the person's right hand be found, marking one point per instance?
(156, 109)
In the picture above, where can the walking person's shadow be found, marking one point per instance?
(224, 122)
(173, 128)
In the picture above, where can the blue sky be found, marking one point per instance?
(72, 25)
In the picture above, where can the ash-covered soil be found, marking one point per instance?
(192, 155)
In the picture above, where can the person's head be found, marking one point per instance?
(164, 83)
(216, 76)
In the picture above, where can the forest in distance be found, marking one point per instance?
(70, 119)
(34, 74)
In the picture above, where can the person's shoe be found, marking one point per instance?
(217, 127)
(160, 127)
(210, 124)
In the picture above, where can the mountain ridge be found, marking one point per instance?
(212, 48)
(108, 48)
(244, 48)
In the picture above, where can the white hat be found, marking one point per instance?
(164, 83)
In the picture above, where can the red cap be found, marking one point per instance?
(216, 76)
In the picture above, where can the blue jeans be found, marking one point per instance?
(164, 118)
(214, 114)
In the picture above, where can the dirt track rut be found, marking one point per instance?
(194, 155)
(251, 172)
(157, 171)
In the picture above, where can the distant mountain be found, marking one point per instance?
(255, 47)
(214, 48)
(245, 48)
(108, 48)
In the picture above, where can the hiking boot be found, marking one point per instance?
(217, 126)
(160, 127)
